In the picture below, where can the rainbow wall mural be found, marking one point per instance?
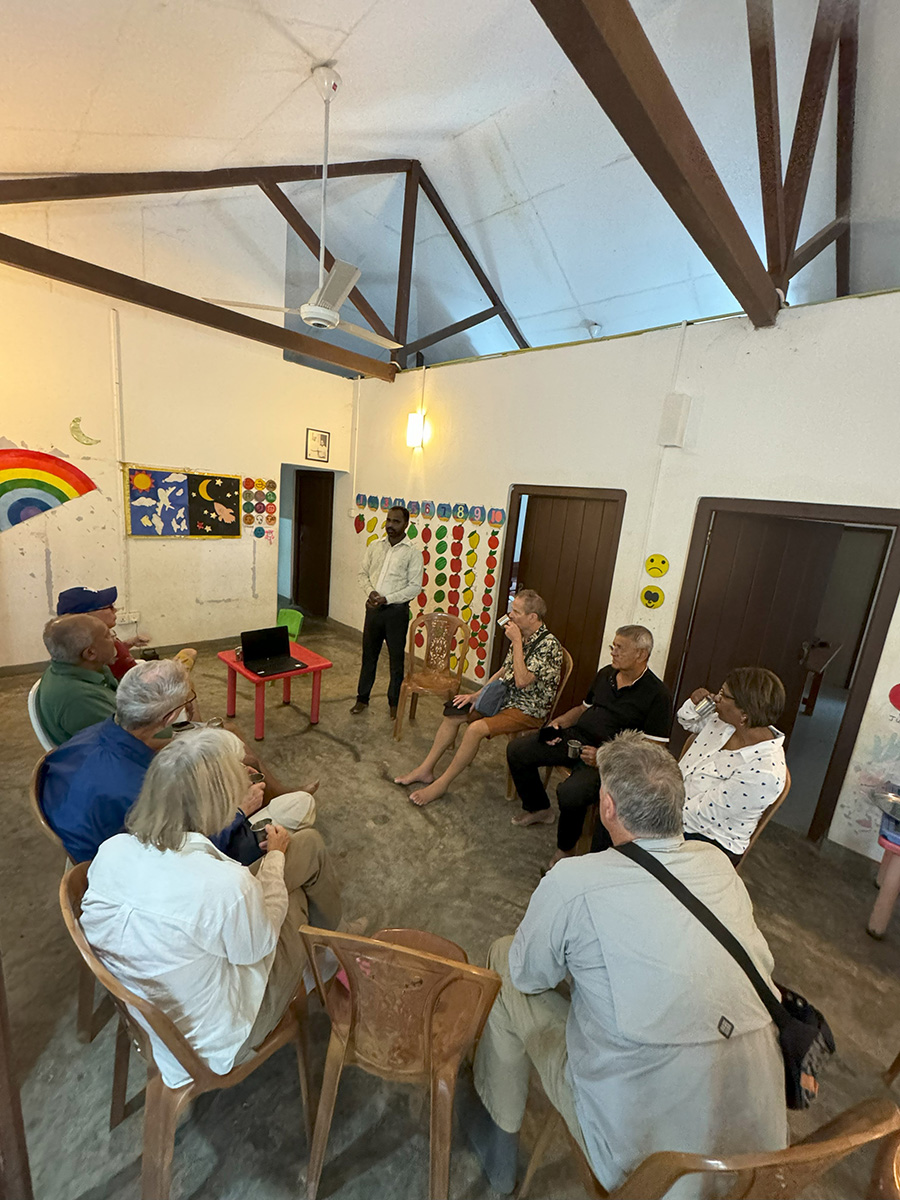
(32, 482)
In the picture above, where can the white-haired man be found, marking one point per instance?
(88, 784)
(664, 1044)
(78, 688)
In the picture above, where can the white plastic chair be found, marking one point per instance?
(39, 732)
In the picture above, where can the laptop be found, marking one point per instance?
(268, 651)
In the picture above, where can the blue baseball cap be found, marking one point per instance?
(83, 600)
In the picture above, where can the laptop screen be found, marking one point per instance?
(260, 644)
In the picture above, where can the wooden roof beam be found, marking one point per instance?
(53, 265)
(605, 43)
(106, 185)
(846, 115)
(761, 28)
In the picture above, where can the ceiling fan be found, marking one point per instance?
(322, 310)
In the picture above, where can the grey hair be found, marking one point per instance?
(67, 638)
(194, 785)
(641, 637)
(532, 602)
(645, 782)
(150, 691)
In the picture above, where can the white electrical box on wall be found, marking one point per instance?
(675, 413)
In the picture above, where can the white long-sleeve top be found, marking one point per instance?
(192, 931)
(727, 791)
(395, 572)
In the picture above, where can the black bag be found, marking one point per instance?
(805, 1037)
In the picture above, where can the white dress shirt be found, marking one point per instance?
(395, 572)
(650, 1062)
(727, 791)
(192, 931)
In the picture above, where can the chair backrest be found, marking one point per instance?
(781, 1173)
(444, 635)
(34, 799)
(411, 1013)
(291, 620)
(567, 664)
(34, 716)
(72, 888)
(767, 816)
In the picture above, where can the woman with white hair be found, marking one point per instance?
(213, 944)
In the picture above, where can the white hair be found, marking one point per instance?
(150, 691)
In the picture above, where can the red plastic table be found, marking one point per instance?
(315, 665)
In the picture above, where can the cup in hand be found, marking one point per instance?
(574, 748)
(705, 708)
(503, 620)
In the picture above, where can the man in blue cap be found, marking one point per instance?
(102, 604)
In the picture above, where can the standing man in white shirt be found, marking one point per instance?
(391, 575)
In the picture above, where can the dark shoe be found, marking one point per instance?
(148, 654)
(393, 709)
(359, 707)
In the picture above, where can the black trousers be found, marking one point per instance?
(526, 756)
(389, 623)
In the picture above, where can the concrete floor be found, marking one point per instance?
(458, 868)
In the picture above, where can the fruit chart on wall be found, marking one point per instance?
(460, 546)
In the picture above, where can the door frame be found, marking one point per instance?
(518, 490)
(880, 616)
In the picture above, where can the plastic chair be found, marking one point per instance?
(433, 674)
(88, 1023)
(34, 716)
(163, 1104)
(409, 1016)
(782, 1173)
(292, 620)
(567, 665)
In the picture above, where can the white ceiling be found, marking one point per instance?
(555, 207)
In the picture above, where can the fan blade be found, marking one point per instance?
(339, 283)
(244, 304)
(368, 335)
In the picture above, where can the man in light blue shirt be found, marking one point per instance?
(391, 576)
(664, 1044)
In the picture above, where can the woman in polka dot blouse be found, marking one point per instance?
(734, 769)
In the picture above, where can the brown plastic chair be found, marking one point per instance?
(782, 1173)
(88, 1022)
(433, 673)
(412, 1011)
(567, 665)
(163, 1104)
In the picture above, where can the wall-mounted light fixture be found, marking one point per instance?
(415, 429)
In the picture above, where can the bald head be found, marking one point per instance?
(80, 640)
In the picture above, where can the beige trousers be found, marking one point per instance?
(523, 1032)
(310, 879)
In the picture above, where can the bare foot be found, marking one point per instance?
(558, 857)
(311, 788)
(543, 816)
(425, 795)
(417, 775)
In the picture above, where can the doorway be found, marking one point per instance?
(562, 543)
(311, 556)
(807, 590)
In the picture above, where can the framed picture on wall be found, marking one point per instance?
(318, 445)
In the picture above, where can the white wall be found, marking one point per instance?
(804, 411)
(190, 398)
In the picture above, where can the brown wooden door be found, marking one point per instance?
(757, 604)
(313, 513)
(568, 555)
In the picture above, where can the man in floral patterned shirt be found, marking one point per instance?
(530, 672)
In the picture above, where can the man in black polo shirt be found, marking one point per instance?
(624, 695)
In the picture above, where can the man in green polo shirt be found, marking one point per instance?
(78, 688)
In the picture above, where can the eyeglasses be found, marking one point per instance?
(723, 695)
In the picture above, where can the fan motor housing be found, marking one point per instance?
(319, 317)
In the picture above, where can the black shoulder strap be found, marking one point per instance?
(534, 645)
(650, 863)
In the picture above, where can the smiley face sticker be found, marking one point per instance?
(652, 597)
(656, 565)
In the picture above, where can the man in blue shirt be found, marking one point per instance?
(89, 783)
